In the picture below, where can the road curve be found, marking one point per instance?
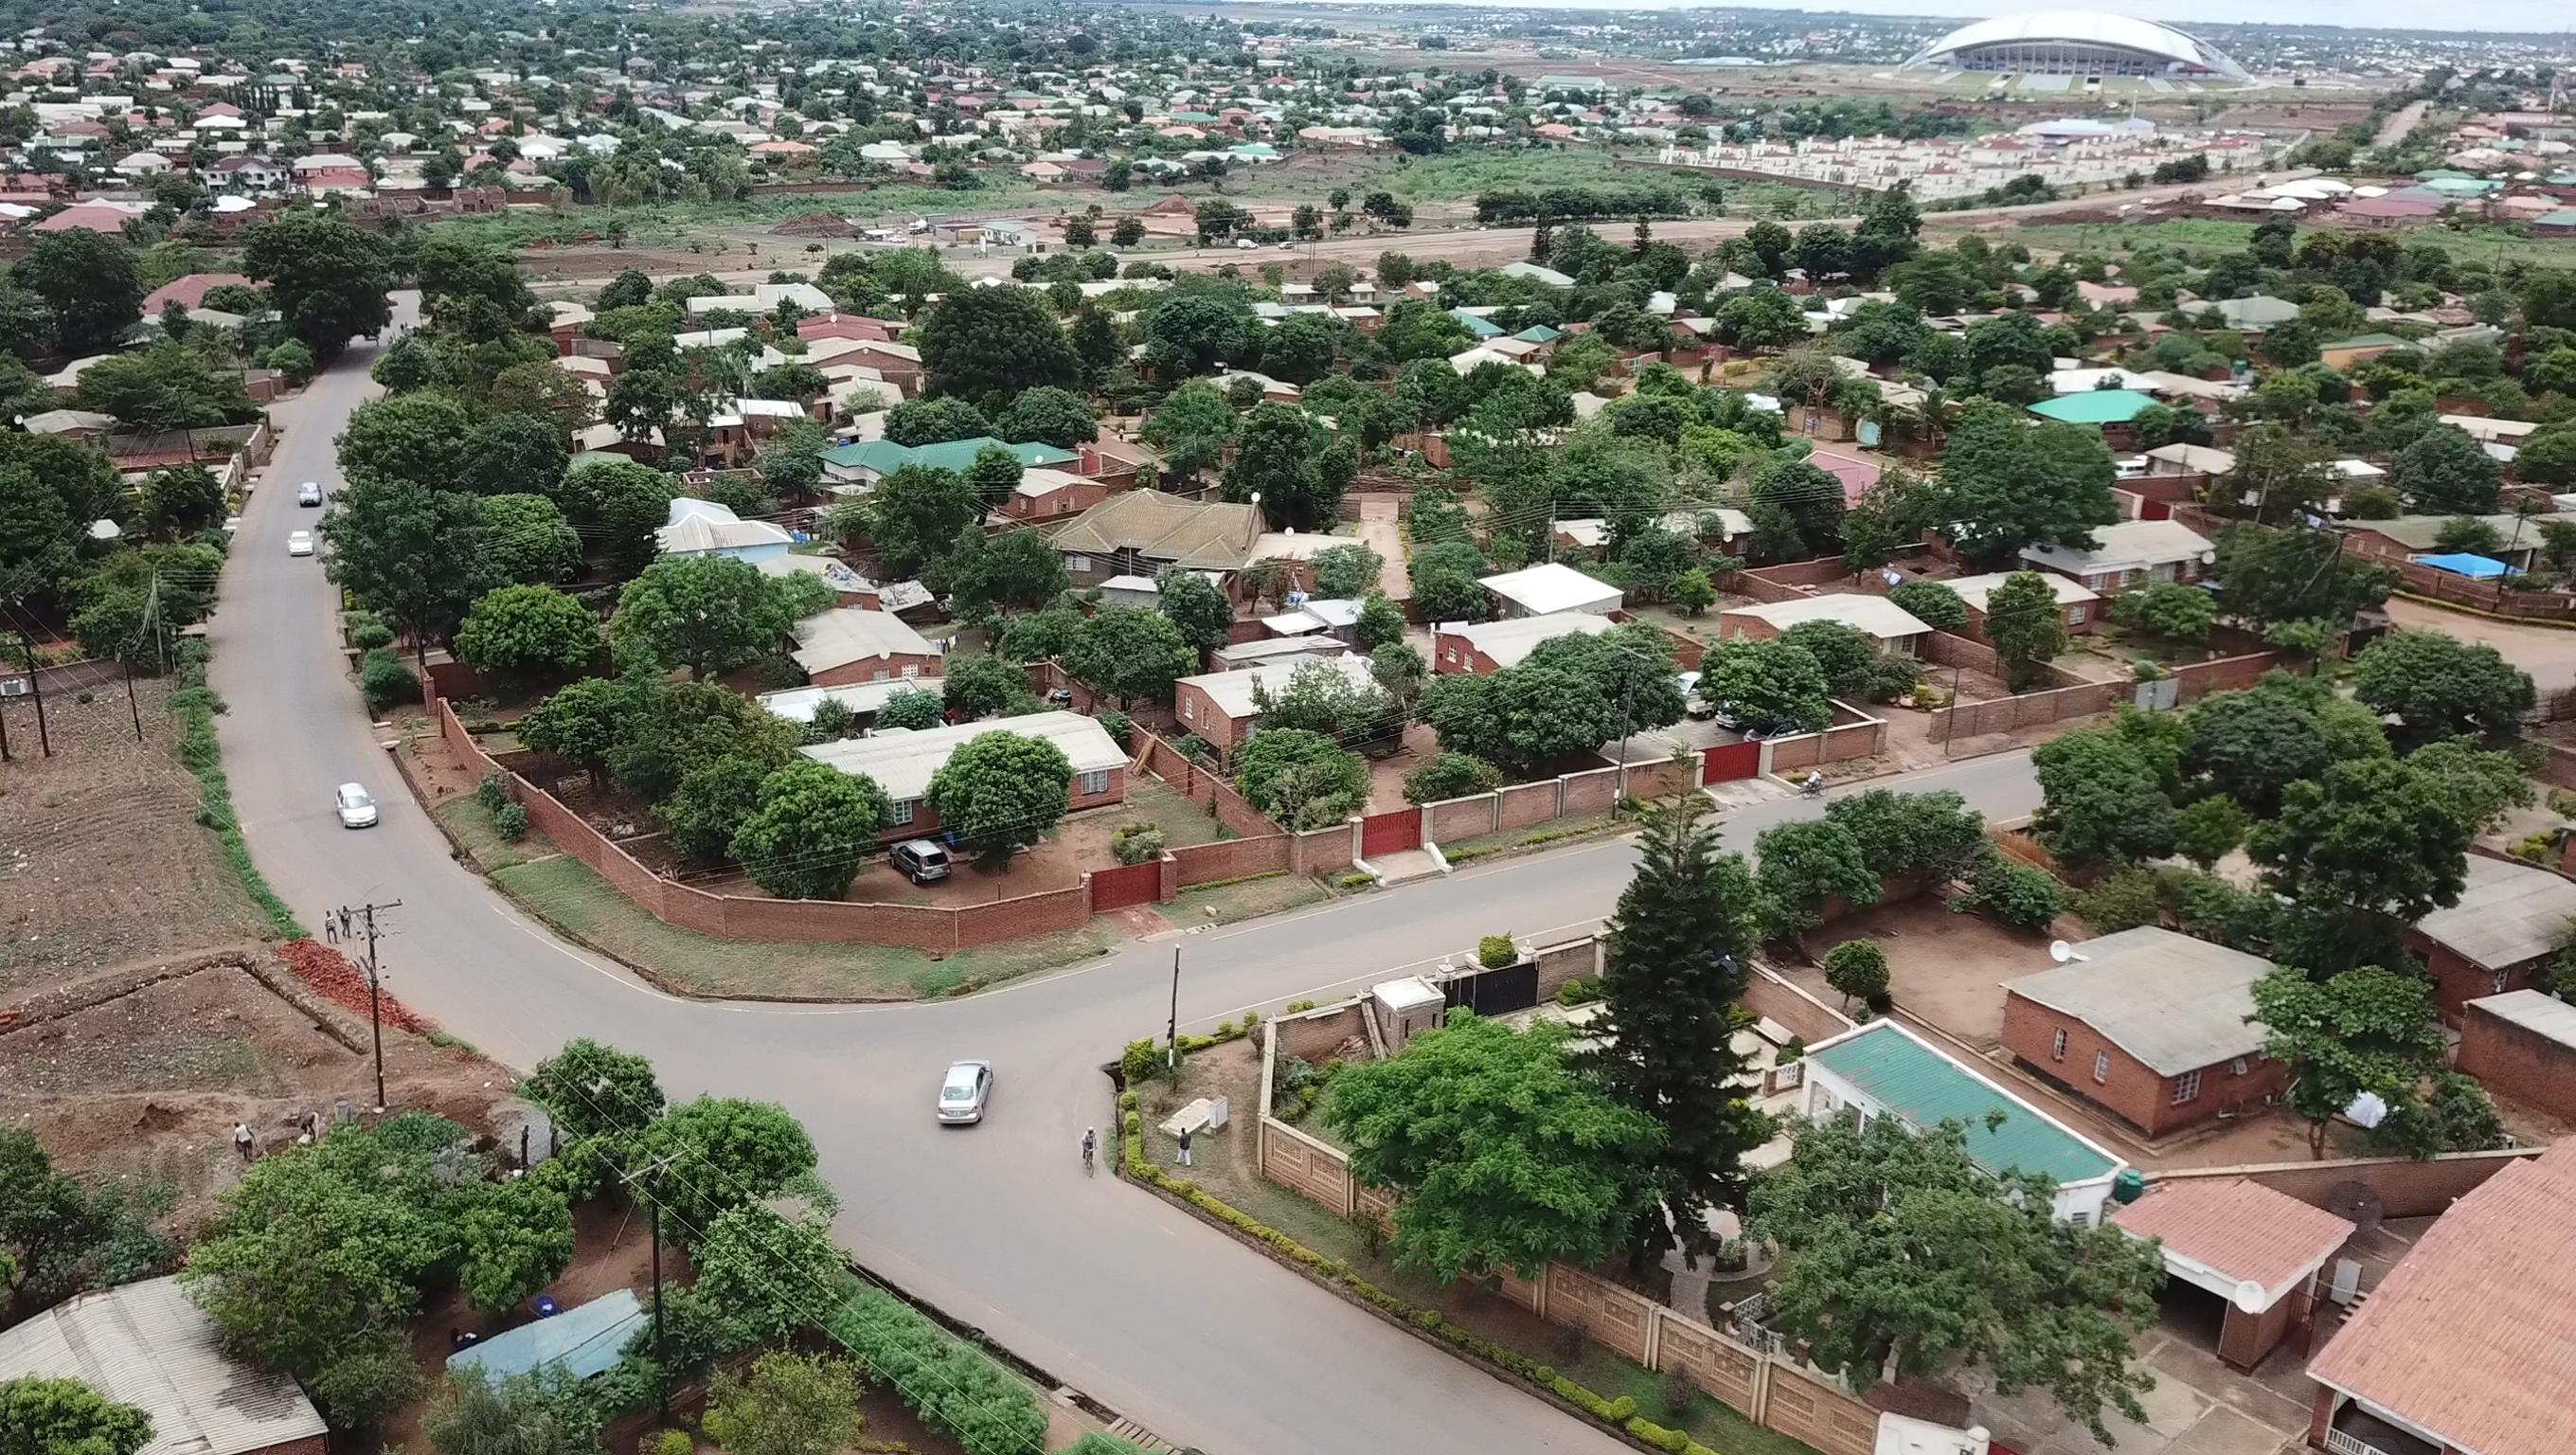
(1113, 1291)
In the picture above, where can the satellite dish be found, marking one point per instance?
(2367, 1110)
(2209, 558)
(2251, 1297)
(2064, 953)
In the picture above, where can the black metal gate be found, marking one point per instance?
(1494, 992)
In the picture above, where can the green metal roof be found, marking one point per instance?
(1479, 326)
(1538, 333)
(1926, 1088)
(885, 456)
(2094, 406)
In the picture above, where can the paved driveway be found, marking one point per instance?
(2547, 653)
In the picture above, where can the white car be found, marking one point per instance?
(356, 809)
(309, 493)
(299, 543)
(962, 1095)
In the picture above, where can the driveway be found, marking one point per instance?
(1114, 1292)
(1384, 532)
(2547, 653)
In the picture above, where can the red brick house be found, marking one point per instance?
(2510, 920)
(2150, 1025)
(846, 646)
(902, 763)
(2079, 605)
(1483, 648)
(1045, 494)
(2131, 553)
(2521, 1046)
(1218, 706)
(2253, 1251)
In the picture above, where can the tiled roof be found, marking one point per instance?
(2470, 1338)
(2236, 1229)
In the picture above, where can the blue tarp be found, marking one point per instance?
(2461, 563)
(584, 1341)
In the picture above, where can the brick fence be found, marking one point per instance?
(1769, 1390)
(2406, 1188)
(2079, 699)
(933, 929)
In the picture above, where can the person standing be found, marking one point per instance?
(1185, 1146)
(242, 1140)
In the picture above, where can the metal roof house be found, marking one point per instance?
(1883, 1069)
(144, 1344)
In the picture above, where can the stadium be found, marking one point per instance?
(2076, 43)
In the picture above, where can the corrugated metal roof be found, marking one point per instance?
(583, 1341)
(1895, 1069)
(2236, 1228)
(2174, 1002)
(145, 1345)
(2507, 914)
(2470, 1338)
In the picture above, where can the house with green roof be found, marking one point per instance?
(2096, 407)
(1883, 1069)
(856, 467)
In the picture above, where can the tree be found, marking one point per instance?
(717, 1154)
(988, 344)
(977, 687)
(182, 500)
(527, 634)
(1188, 333)
(421, 438)
(1346, 571)
(1770, 686)
(1291, 465)
(710, 614)
(414, 555)
(2007, 484)
(811, 830)
(539, 1413)
(619, 505)
(1380, 624)
(1693, 592)
(40, 1416)
(1048, 415)
(1762, 318)
(1843, 652)
(517, 1238)
(680, 727)
(708, 806)
(1932, 603)
(918, 422)
(168, 386)
(1451, 775)
(585, 723)
(2370, 845)
(1857, 970)
(791, 1405)
(1803, 863)
(529, 539)
(1320, 697)
(2548, 455)
(2025, 625)
(2446, 472)
(1299, 778)
(2366, 1029)
(2481, 787)
(915, 514)
(1522, 718)
(90, 280)
(1902, 1254)
(1001, 792)
(1446, 582)
(1196, 606)
(2168, 610)
(912, 708)
(327, 277)
(591, 1089)
(1130, 653)
(1503, 1155)
(1931, 835)
(2255, 742)
(1192, 427)
(2296, 581)
(2437, 686)
(1014, 568)
(59, 1236)
(2106, 794)
(1676, 955)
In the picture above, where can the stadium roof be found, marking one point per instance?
(2080, 27)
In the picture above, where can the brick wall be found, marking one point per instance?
(1203, 785)
(1230, 859)
(2517, 1064)
(1321, 851)
(2406, 1188)
(1949, 649)
(1573, 960)
(2132, 1090)
(1313, 1035)
(1530, 803)
(1666, 779)
(881, 669)
(1588, 793)
(1804, 1408)
(1618, 1319)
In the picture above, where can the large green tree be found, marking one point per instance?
(1676, 953)
(1901, 1255)
(2006, 484)
(710, 614)
(811, 830)
(1503, 1156)
(42, 1416)
(2435, 686)
(2364, 1030)
(59, 1235)
(989, 344)
(327, 277)
(2369, 846)
(1192, 427)
(2025, 624)
(1301, 778)
(1001, 793)
(413, 554)
(1130, 653)
(915, 515)
(1292, 465)
(524, 635)
(91, 281)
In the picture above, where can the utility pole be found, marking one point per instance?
(375, 990)
(1172, 1033)
(1627, 697)
(36, 685)
(650, 1175)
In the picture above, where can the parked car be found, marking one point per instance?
(299, 543)
(922, 861)
(356, 809)
(309, 493)
(969, 1085)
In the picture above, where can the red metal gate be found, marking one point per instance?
(1126, 885)
(1390, 833)
(1728, 762)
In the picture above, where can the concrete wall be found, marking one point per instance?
(2518, 1064)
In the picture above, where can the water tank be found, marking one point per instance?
(2129, 1186)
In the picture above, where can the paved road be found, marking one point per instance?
(1118, 1293)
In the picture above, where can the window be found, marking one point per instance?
(1189, 709)
(2101, 1066)
(912, 669)
(877, 674)
(1096, 781)
(2081, 1219)
(2057, 1046)
(2186, 1087)
(903, 810)
(2236, 1067)
(1077, 563)
(2078, 614)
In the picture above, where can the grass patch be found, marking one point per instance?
(470, 824)
(1184, 822)
(566, 894)
(665, 223)
(2478, 241)
(200, 753)
(1487, 846)
(1223, 904)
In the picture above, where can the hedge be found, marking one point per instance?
(202, 755)
(1619, 1414)
(956, 1389)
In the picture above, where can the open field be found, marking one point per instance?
(2479, 242)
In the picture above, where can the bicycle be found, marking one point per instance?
(1089, 1142)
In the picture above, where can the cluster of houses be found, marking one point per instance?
(2065, 152)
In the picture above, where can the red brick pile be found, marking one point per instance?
(331, 976)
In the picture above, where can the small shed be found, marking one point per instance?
(2256, 1249)
(582, 1341)
(1548, 588)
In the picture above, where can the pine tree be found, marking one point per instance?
(1677, 958)
(1542, 240)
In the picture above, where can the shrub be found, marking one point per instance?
(1141, 1062)
(2532, 847)
(1495, 951)
(493, 791)
(1137, 843)
(2121, 901)
(1656, 1435)
(674, 1442)
(1116, 725)
(956, 1389)
(510, 821)
(1295, 1006)
(1676, 1393)
(367, 636)
(1451, 775)
(385, 681)
(830, 721)
(1931, 603)
(1195, 748)
(2014, 894)
(1576, 991)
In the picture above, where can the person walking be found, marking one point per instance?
(242, 1140)
(330, 929)
(1185, 1147)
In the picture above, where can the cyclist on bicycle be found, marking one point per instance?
(1090, 1141)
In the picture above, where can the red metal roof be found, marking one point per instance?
(2242, 1230)
(2470, 1338)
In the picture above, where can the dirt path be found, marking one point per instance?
(1384, 533)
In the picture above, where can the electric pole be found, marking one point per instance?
(649, 1175)
(1172, 1034)
(366, 913)
(36, 686)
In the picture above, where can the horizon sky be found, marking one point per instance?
(2510, 16)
